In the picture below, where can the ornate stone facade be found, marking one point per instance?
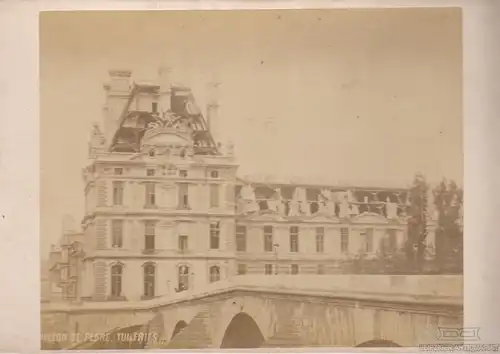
(166, 212)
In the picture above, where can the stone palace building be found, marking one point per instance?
(175, 250)
(165, 210)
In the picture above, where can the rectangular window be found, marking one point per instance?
(214, 195)
(154, 107)
(242, 269)
(150, 194)
(183, 196)
(183, 243)
(294, 269)
(214, 174)
(118, 171)
(149, 235)
(268, 239)
(117, 193)
(214, 235)
(321, 269)
(183, 173)
(369, 240)
(320, 239)
(150, 172)
(241, 238)
(344, 240)
(391, 240)
(294, 239)
(268, 270)
(117, 233)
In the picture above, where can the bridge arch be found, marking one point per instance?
(179, 326)
(378, 343)
(242, 332)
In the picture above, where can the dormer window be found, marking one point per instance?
(214, 174)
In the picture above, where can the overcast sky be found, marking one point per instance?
(344, 94)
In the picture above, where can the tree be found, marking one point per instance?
(417, 224)
(448, 199)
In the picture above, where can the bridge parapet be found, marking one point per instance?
(420, 285)
(414, 288)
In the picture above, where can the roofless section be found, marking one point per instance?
(138, 117)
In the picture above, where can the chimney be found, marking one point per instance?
(119, 81)
(117, 92)
(164, 82)
(212, 106)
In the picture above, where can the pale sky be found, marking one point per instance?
(346, 94)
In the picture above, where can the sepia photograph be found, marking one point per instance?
(251, 179)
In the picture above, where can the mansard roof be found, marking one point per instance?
(127, 137)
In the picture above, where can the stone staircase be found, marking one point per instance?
(195, 335)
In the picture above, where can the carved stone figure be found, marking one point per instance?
(294, 208)
(391, 209)
(327, 205)
(354, 209)
(344, 208)
(300, 197)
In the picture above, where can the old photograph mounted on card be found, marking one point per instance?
(251, 179)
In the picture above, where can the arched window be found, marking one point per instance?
(214, 274)
(183, 275)
(116, 280)
(149, 280)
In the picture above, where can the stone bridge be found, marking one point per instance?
(291, 311)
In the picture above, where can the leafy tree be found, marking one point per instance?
(417, 224)
(448, 199)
